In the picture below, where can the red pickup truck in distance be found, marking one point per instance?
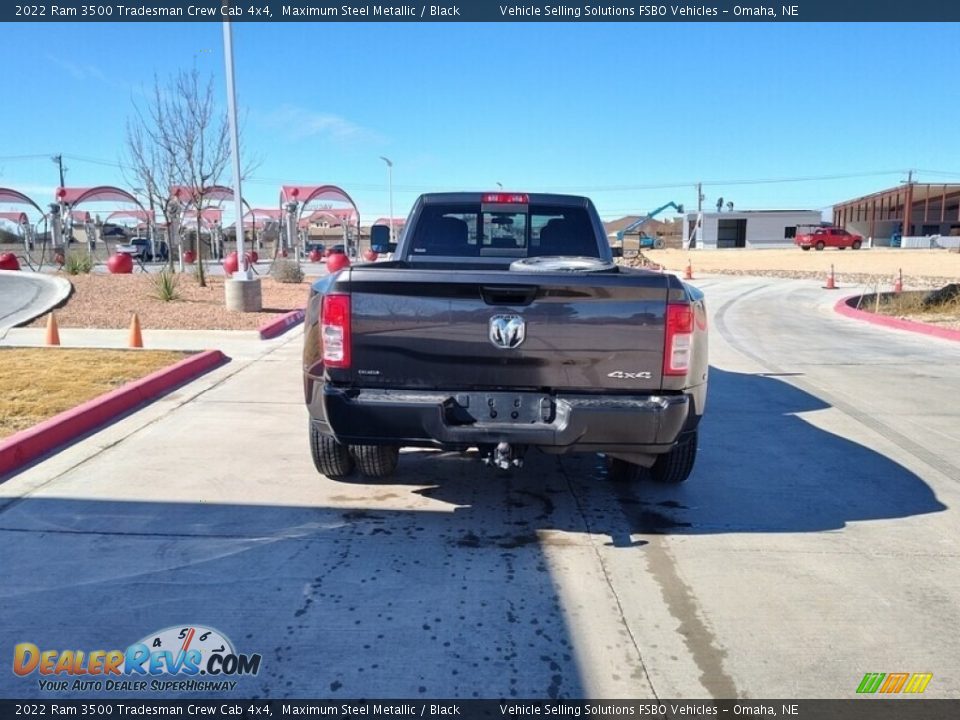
(829, 237)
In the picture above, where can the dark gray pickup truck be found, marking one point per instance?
(501, 323)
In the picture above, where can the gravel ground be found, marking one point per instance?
(109, 301)
(863, 271)
(921, 268)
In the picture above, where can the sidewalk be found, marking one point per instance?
(236, 344)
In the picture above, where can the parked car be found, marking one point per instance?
(113, 231)
(139, 247)
(824, 237)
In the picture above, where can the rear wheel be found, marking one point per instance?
(820, 245)
(856, 244)
(376, 461)
(675, 466)
(331, 458)
(658, 244)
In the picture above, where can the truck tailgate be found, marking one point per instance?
(581, 331)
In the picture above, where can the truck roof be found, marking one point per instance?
(534, 198)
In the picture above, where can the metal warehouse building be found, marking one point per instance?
(933, 210)
(747, 229)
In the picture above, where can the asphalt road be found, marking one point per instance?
(25, 295)
(816, 541)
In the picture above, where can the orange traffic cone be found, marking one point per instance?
(898, 283)
(53, 332)
(688, 273)
(136, 339)
(831, 281)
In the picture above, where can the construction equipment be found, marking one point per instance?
(646, 241)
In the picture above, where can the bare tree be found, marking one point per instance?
(150, 164)
(181, 139)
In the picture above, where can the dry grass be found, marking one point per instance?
(109, 301)
(39, 383)
(908, 306)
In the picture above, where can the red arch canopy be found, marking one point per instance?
(9, 195)
(17, 217)
(101, 193)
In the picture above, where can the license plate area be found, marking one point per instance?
(499, 408)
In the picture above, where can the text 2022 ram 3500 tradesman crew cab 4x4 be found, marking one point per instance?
(501, 323)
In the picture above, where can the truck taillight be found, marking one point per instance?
(335, 330)
(678, 342)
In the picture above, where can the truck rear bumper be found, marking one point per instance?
(634, 424)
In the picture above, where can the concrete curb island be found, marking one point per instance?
(279, 326)
(35, 442)
(845, 306)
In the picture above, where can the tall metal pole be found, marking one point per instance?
(243, 272)
(58, 159)
(390, 182)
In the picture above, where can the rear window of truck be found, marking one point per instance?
(473, 230)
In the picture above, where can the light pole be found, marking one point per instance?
(499, 184)
(390, 182)
(234, 148)
(242, 290)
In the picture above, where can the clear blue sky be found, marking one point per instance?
(606, 110)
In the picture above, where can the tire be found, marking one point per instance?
(658, 244)
(547, 263)
(805, 248)
(856, 244)
(820, 245)
(330, 457)
(376, 461)
(621, 471)
(675, 466)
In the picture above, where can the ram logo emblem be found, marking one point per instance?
(507, 331)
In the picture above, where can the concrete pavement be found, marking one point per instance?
(816, 541)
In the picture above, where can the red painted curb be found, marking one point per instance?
(943, 333)
(27, 445)
(281, 324)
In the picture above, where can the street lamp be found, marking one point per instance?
(390, 181)
(499, 184)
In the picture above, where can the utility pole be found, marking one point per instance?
(58, 159)
(907, 226)
(699, 197)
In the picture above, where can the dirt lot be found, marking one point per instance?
(109, 301)
(921, 268)
(860, 270)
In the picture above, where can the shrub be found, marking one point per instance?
(166, 286)
(78, 264)
(287, 271)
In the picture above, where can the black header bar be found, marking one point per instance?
(480, 11)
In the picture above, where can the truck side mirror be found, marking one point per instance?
(380, 239)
